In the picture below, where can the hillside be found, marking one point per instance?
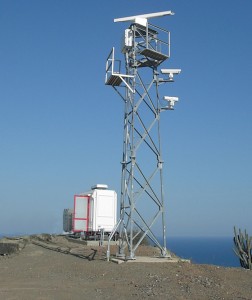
(39, 273)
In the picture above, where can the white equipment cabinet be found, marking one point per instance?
(95, 210)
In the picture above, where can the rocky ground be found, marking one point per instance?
(35, 272)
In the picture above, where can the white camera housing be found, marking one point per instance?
(170, 72)
(171, 101)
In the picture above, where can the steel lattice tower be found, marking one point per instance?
(145, 48)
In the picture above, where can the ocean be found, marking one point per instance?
(205, 250)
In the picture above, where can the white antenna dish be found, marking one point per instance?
(145, 16)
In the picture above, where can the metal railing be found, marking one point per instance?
(113, 66)
(154, 38)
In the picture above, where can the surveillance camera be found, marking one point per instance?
(170, 72)
(171, 101)
(169, 98)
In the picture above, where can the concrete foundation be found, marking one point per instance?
(91, 242)
(146, 259)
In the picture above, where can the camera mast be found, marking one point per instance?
(145, 48)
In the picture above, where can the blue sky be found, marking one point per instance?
(61, 127)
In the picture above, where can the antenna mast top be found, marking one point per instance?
(145, 16)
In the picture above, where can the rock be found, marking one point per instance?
(8, 248)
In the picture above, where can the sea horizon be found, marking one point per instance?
(211, 250)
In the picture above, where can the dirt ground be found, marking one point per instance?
(39, 273)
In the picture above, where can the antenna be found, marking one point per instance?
(145, 16)
(142, 206)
